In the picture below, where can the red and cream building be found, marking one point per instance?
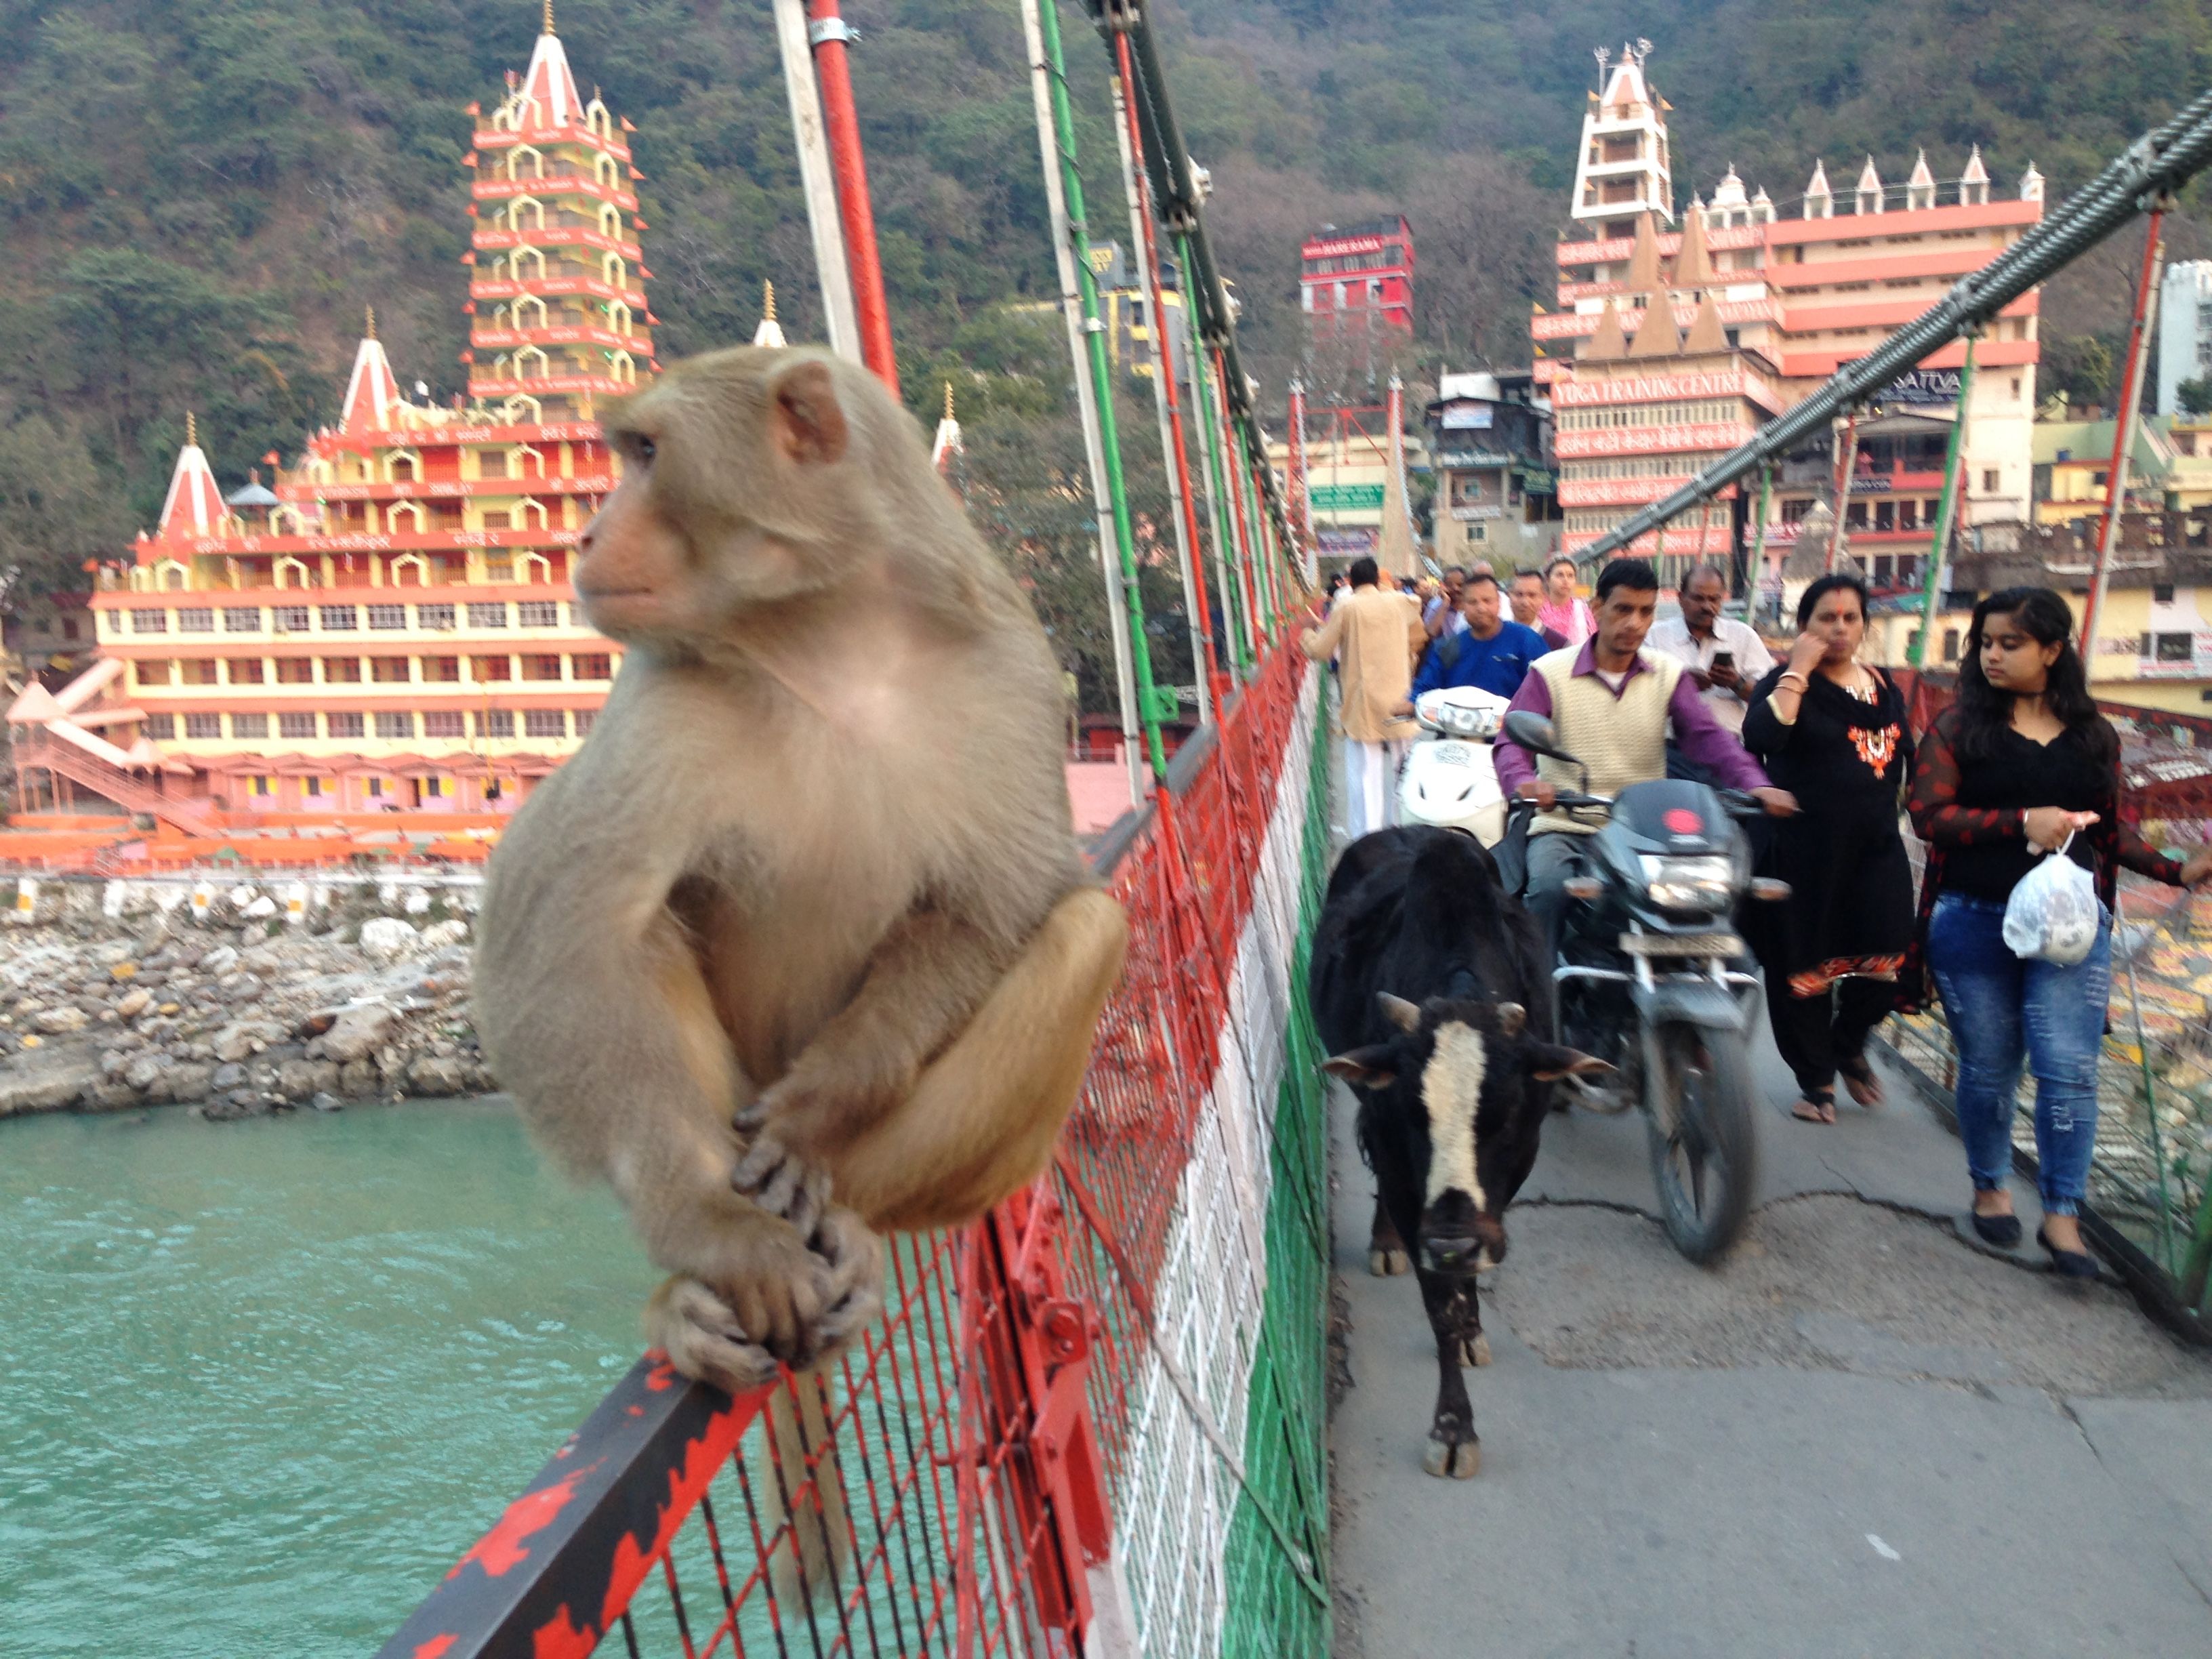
(1801, 290)
(1356, 282)
(395, 624)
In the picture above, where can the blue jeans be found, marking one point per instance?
(2002, 1010)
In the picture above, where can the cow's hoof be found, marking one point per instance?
(1388, 1264)
(1460, 1462)
(1475, 1351)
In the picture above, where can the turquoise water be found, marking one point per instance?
(262, 1383)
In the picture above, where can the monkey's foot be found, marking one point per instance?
(703, 1338)
(780, 1181)
(855, 1257)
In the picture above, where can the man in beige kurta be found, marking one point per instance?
(1374, 632)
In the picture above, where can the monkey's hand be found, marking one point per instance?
(855, 1259)
(703, 1338)
(774, 1176)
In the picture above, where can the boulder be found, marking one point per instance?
(440, 934)
(304, 1079)
(387, 939)
(358, 1031)
(242, 1039)
(108, 1094)
(357, 1079)
(123, 970)
(134, 1003)
(145, 1071)
(46, 1084)
(219, 961)
(65, 1018)
(187, 1080)
(438, 1074)
(228, 1076)
(327, 1103)
(260, 909)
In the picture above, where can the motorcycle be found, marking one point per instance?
(1652, 976)
(1447, 778)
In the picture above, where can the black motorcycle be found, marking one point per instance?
(1652, 976)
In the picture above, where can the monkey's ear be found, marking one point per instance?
(809, 428)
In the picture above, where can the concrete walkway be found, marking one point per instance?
(1860, 1435)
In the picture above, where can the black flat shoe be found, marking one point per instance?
(2001, 1230)
(2067, 1264)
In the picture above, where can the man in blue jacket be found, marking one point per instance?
(1490, 653)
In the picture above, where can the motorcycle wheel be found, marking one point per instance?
(1703, 1154)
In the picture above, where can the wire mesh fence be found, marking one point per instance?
(1093, 1422)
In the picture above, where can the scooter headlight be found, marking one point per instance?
(1705, 886)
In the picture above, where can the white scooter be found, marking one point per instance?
(1447, 778)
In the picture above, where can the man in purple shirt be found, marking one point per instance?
(1627, 597)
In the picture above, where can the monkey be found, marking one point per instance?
(799, 948)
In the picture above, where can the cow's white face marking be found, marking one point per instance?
(1451, 1085)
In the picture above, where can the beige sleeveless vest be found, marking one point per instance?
(1621, 740)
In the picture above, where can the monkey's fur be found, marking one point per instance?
(799, 943)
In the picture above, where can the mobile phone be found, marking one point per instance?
(1723, 659)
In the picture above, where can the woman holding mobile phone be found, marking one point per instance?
(1833, 733)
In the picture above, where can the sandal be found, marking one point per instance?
(1814, 1106)
(1861, 1079)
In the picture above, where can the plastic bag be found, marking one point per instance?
(2052, 915)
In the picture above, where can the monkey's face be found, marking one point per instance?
(729, 497)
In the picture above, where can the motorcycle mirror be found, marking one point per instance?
(1534, 733)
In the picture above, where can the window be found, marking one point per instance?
(491, 668)
(1950, 645)
(598, 666)
(441, 671)
(395, 722)
(260, 784)
(195, 622)
(544, 723)
(444, 723)
(387, 615)
(203, 725)
(539, 613)
(69, 623)
(311, 788)
(242, 619)
(295, 725)
(341, 618)
(296, 671)
(2173, 647)
(2161, 593)
(1989, 481)
(202, 671)
(163, 727)
(584, 717)
(149, 622)
(247, 671)
(495, 723)
(154, 671)
(1885, 515)
(389, 670)
(291, 619)
(249, 725)
(542, 666)
(492, 464)
(373, 788)
(487, 616)
(341, 670)
(438, 617)
(343, 726)
(433, 788)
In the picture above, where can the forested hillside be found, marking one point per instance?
(199, 198)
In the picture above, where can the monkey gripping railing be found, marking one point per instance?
(1092, 1423)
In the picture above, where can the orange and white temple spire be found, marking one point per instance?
(371, 393)
(193, 508)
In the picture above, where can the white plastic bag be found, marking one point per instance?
(2053, 914)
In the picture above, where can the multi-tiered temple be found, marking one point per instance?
(395, 623)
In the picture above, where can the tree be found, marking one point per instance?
(2195, 396)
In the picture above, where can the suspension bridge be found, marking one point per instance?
(1099, 1421)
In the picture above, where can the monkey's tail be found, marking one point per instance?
(799, 1480)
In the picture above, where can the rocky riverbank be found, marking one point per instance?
(113, 1000)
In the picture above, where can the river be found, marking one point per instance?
(262, 1383)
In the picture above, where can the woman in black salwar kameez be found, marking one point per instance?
(1833, 733)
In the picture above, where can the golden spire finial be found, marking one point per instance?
(549, 16)
(767, 302)
(191, 430)
(948, 400)
(371, 310)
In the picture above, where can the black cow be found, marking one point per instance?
(1425, 976)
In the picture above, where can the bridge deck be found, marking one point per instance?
(1862, 1435)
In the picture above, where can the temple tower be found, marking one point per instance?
(1623, 167)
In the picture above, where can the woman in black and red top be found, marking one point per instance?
(1832, 731)
(2022, 761)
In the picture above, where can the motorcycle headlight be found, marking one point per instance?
(1706, 884)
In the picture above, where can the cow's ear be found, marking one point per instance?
(1545, 1062)
(1405, 1016)
(1363, 1068)
(1511, 1018)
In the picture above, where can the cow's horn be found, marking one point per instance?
(1405, 1016)
(1511, 1017)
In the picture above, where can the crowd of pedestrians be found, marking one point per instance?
(2019, 768)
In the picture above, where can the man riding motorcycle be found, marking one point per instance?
(1609, 702)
